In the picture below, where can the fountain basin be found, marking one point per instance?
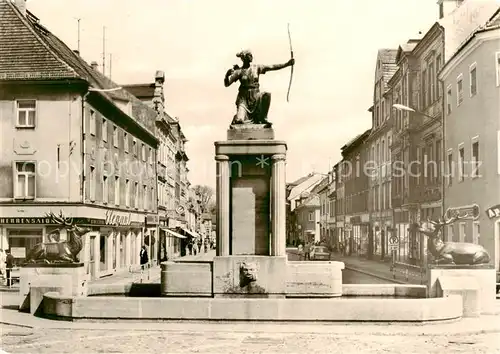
(253, 309)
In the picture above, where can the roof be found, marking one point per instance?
(141, 91)
(311, 201)
(301, 180)
(492, 24)
(358, 139)
(29, 51)
(388, 59)
(320, 186)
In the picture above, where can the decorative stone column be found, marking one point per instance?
(278, 206)
(223, 212)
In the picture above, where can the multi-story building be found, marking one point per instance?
(73, 143)
(471, 81)
(338, 197)
(322, 191)
(355, 155)
(379, 141)
(307, 216)
(330, 219)
(173, 205)
(295, 192)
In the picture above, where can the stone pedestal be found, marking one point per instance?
(36, 279)
(251, 197)
(464, 280)
(186, 279)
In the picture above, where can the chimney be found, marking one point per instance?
(159, 97)
(21, 5)
(94, 65)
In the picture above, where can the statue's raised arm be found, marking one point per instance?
(252, 106)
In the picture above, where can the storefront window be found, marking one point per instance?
(122, 250)
(90, 264)
(21, 243)
(103, 252)
(113, 249)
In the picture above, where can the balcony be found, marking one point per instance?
(162, 172)
(425, 193)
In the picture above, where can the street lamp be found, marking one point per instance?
(402, 107)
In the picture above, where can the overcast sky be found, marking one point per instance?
(195, 41)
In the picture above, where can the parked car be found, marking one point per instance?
(319, 253)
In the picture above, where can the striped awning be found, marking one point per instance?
(172, 233)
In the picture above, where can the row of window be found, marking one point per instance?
(464, 167)
(462, 234)
(460, 89)
(140, 197)
(120, 135)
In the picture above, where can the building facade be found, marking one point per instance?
(307, 215)
(358, 235)
(380, 141)
(296, 191)
(174, 209)
(97, 168)
(471, 80)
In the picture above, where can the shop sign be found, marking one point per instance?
(493, 212)
(152, 219)
(25, 221)
(465, 212)
(356, 219)
(115, 219)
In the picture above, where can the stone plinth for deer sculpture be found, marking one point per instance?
(54, 266)
(459, 268)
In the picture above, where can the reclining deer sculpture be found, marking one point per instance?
(452, 252)
(62, 251)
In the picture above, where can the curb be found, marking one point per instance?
(354, 269)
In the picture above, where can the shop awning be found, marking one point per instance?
(192, 233)
(172, 233)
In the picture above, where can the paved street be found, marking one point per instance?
(209, 339)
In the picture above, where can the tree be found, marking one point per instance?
(205, 195)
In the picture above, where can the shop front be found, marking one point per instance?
(112, 243)
(401, 230)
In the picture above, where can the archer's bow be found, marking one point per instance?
(291, 54)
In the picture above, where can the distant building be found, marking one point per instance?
(471, 80)
(173, 203)
(358, 235)
(380, 141)
(295, 192)
(307, 216)
(73, 142)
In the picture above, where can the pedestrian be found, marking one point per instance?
(307, 249)
(205, 244)
(199, 243)
(144, 259)
(9, 264)
(2, 263)
(190, 247)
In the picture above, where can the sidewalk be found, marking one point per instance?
(381, 270)
(150, 275)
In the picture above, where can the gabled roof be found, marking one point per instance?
(311, 201)
(29, 51)
(320, 186)
(388, 60)
(141, 91)
(355, 141)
